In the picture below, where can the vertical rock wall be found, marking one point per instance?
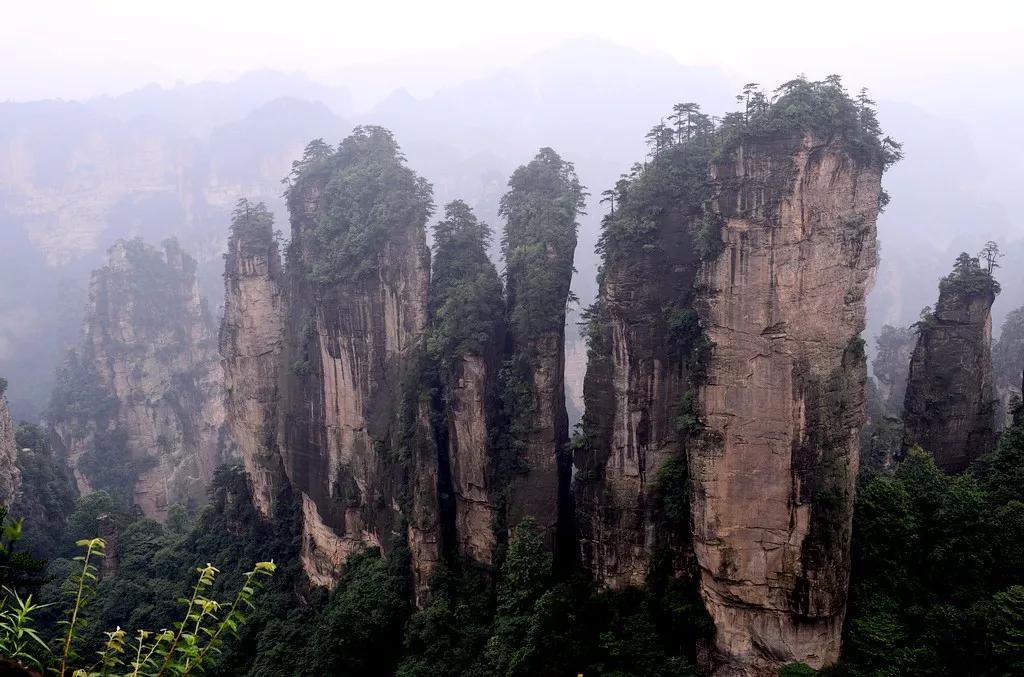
(1008, 364)
(251, 339)
(726, 375)
(636, 382)
(140, 407)
(463, 359)
(350, 436)
(950, 406)
(469, 422)
(539, 246)
(784, 398)
(10, 476)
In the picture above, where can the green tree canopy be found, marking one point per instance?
(540, 209)
(369, 195)
(466, 305)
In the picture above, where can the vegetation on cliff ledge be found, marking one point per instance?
(972, 275)
(541, 207)
(674, 180)
(466, 303)
(252, 228)
(366, 194)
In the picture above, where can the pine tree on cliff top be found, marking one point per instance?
(369, 195)
(541, 209)
(466, 304)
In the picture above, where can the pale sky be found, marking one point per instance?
(80, 48)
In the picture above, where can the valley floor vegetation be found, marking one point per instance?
(937, 589)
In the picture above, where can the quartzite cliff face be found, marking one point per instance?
(726, 374)
(950, 406)
(373, 388)
(539, 245)
(10, 476)
(464, 346)
(139, 408)
(356, 308)
(784, 398)
(251, 340)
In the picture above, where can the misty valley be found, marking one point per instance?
(282, 400)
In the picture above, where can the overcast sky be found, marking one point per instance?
(80, 48)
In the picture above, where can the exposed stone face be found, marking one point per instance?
(1008, 364)
(536, 488)
(539, 246)
(768, 421)
(950, 404)
(784, 399)
(471, 468)
(251, 341)
(10, 476)
(141, 409)
(349, 347)
(634, 385)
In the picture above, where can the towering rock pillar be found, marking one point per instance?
(139, 409)
(725, 390)
(251, 339)
(784, 398)
(10, 476)
(465, 345)
(540, 210)
(950, 406)
(352, 425)
(1008, 364)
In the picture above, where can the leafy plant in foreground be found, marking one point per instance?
(185, 650)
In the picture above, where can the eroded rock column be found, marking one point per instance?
(773, 480)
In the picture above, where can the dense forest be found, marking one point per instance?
(392, 486)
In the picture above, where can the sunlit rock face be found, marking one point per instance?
(951, 403)
(784, 398)
(139, 408)
(10, 476)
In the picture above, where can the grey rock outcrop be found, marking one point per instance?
(950, 406)
(139, 408)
